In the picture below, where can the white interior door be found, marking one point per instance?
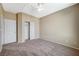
(26, 30)
(32, 30)
(10, 31)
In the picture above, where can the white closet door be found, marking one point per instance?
(26, 31)
(10, 31)
(32, 30)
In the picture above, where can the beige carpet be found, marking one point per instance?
(37, 48)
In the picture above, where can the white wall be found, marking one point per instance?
(61, 27)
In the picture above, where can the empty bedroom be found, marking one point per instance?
(39, 29)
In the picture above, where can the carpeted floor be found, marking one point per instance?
(37, 48)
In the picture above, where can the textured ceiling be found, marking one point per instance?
(30, 8)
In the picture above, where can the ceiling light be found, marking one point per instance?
(38, 6)
(40, 9)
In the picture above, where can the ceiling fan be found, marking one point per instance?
(38, 6)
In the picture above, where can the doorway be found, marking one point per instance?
(29, 30)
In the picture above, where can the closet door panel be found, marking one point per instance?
(10, 31)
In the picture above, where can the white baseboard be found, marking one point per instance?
(64, 44)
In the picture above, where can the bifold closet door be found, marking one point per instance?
(32, 30)
(26, 31)
(10, 31)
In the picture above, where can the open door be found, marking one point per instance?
(29, 30)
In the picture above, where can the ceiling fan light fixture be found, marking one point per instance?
(38, 6)
(40, 9)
